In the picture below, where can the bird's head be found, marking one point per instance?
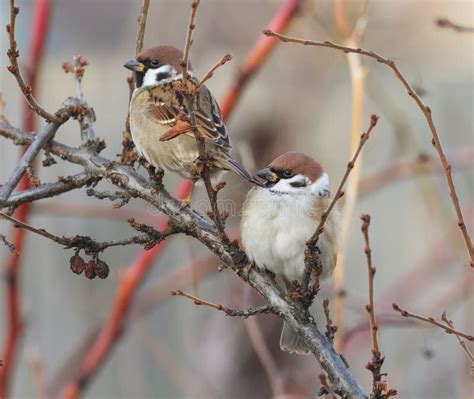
(157, 65)
(294, 173)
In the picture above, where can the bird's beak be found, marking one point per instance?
(135, 65)
(267, 175)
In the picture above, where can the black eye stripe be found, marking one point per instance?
(162, 75)
(298, 183)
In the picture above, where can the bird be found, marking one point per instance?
(279, 218)
(158, 118)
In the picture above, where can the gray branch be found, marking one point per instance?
(48, 190)
(36, 145)
(197, 226)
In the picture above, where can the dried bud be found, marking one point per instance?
(89, 270)
(101, 269)
(77, 264)
(68, 67)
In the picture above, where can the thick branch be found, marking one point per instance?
(36, 145)
(49, 190)
(192, 223)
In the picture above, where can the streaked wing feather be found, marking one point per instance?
(208, 116)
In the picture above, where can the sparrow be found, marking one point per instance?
(279, 218)
(158, 118)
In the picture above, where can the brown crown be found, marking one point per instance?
(299, 164)
(169, 55)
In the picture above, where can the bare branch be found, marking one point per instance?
(312, 256)
(380, 388)
(49, 190)
(448, 329)
(446, 23)
(142, 26)
(14, 68)
(423, 107)
(189, 39)
(9, 245)
(331, 329)
(464, 347)
(37, 144)
(209, 74)
(85, 114)
(423, 164)
(228, 311)
(92, 247)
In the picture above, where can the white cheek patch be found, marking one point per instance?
(152, 76)
(321, 186)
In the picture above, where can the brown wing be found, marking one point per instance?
(209, 118)
(165, 107)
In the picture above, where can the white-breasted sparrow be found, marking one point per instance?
(278, 220)
(160, 132)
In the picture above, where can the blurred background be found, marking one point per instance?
(302, 99)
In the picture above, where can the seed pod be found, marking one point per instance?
(77, 264)
(89, 271)
(101, 269)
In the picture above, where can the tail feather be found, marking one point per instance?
(290, 342)
(241, 171)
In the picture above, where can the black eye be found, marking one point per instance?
(154, 63)
(287, 174)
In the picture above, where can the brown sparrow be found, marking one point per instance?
(278, 219)
(158, 123)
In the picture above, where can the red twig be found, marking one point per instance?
(258, 55)
(14, 323)
(139, 269)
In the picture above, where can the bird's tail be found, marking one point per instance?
(236, 167)
(290, 342)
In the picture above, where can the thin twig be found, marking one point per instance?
(14, 68)
(423, 164)
(189, 39)
(380, 388)
(464, 347)
(91, 246)
(448, 329)
(331, 329)
(312, 256)
(371, 273)
(142, 18)
(446, 23)
(211, 71)
(265, 309)
(423, 107)
(9, 245)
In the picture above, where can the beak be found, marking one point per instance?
(135, 65)
(268, 175)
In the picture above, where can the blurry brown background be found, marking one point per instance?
(300, 100)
